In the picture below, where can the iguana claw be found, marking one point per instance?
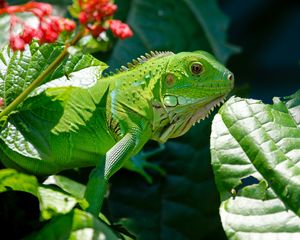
(139, 163)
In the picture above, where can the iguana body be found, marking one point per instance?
(158, 97)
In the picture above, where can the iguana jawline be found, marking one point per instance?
(181, 123)
(205, 110)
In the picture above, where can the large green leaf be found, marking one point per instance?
(20, 68)
(255, 155)
(76, 70)
(183, 25)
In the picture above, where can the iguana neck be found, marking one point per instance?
(132, 95)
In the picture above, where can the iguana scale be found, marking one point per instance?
(158, 96)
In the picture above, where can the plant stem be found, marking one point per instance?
(96, 189)
(12, 106)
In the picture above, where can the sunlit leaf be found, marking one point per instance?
(255, 156)
(74, 188)
(75, 72)
(10, 179)
(54, 202)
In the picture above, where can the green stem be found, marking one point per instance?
(96, 189)
(13, 105)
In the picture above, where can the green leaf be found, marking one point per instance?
(255, 155)
(183, 25)
(75, 225)
(19, 69)
(74, 188)
(10, 179)
(54, 202)
(77, 71)
(81, 61)
(74, 9)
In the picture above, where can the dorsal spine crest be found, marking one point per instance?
(140, 60)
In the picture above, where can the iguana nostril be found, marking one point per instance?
(230, 77)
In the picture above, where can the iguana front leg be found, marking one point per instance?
(116, 156)
(113, 161)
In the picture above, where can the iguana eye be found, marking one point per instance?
(196, 68)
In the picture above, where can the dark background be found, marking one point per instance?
(268, 32)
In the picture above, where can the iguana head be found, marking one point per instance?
(192, 85)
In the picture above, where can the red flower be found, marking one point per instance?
(48, 34)
(83, 18)
(97, 14)
(28, 34)
(108, 9)
(68, 25)
(45, 8)
(96, 29)
(49, 26)
(16, 43)
(119, 29)
(95, 10)
(40, 9)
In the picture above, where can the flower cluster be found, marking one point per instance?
(96, 16)
(119, 29)
(48, 29)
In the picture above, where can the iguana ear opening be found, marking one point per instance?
(170, 79)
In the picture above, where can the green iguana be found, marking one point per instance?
(158, 96)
